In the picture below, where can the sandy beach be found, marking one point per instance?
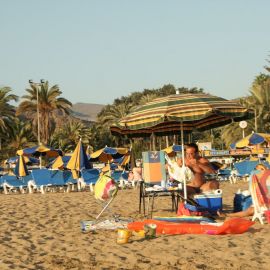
(43, 232)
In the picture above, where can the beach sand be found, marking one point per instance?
(43, 232)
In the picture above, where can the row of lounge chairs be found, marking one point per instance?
(44, 180)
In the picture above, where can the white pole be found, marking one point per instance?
(183, 161)
(38, 124)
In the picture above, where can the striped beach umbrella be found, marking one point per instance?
(21, 169)
(163, 116)
(40, 150)
(253, 139)
(108, 154)
(178, 113)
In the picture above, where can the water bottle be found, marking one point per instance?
(163, 184)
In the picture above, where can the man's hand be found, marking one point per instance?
(191, 162)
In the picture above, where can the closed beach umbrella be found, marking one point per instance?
(181, 112)
(78, 160)
(21, 169)
(253, 139)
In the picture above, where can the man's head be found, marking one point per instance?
(192, 151)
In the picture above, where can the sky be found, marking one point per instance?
(99, 50)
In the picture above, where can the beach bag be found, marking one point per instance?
(105, 187)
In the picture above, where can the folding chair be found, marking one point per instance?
(154, 173)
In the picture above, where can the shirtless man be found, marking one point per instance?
(199, 166)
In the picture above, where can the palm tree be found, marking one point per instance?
(50, 105)
(68, 135)
(259, 101)
(7, 111)
(113, 113)
(20, 136)
(147, 98)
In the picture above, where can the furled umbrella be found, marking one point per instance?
(78, 161)
(21, 169)
(181, 112)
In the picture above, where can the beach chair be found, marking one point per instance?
(260, 193)
(12, 183)
(44, 179)
(154, 181)
(242, 170)
(224, 174)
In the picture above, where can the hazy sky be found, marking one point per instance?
(99, 50)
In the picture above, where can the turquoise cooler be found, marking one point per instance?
(211, 201)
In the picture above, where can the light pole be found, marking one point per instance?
(37, 90)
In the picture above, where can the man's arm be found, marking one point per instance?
(206, 166)
(200, 166)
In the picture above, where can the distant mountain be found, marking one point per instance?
(86, 111)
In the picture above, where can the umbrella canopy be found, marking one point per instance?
(252, 139)
(28, 160)
(78, 160)
(163, 116)
(21, 169)
(40, 150)
(108, 154)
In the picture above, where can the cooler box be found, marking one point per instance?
(211, 201)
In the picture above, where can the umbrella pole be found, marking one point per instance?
(183, 161)
(106, 206)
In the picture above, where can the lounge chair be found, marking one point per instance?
(44, 178)
(260, 193)
(12, 183)
(243, 169)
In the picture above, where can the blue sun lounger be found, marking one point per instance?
(43, 178)
(13, 183)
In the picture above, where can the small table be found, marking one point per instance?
(151, 193)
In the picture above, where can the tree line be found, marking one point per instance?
(60, 129)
